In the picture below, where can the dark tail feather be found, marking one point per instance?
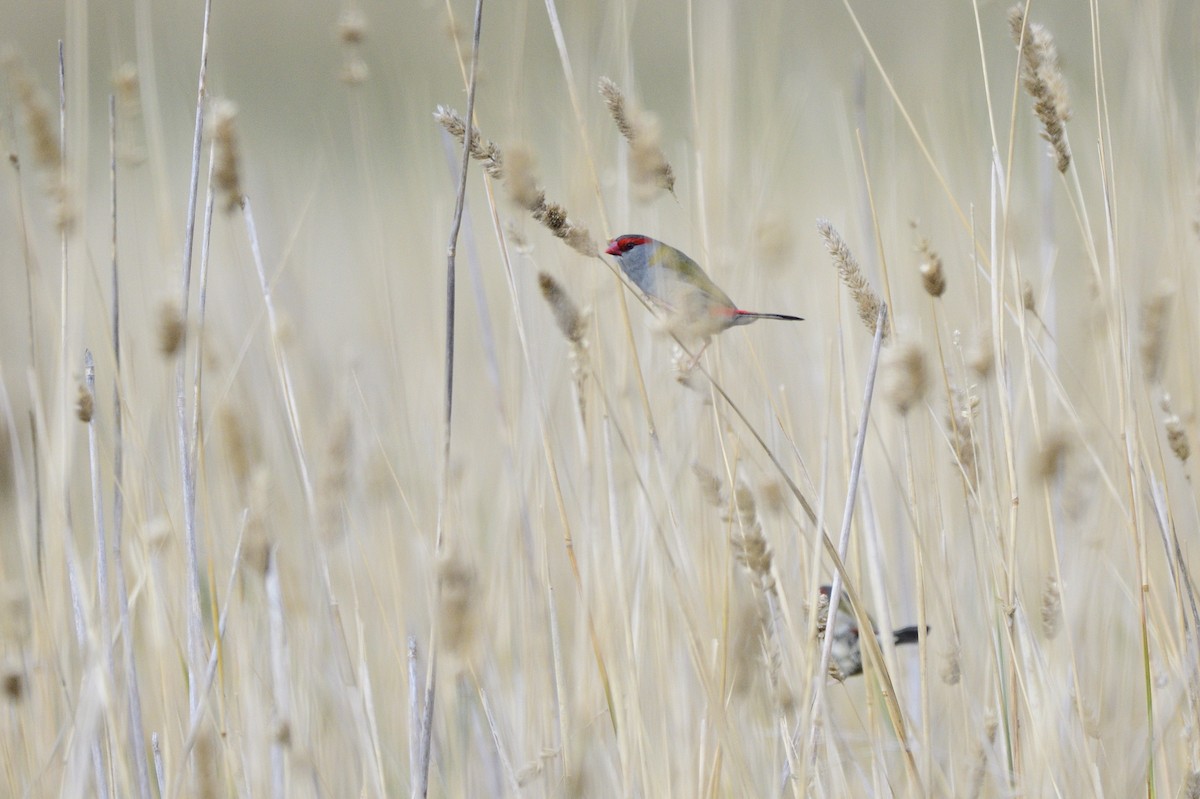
(909, 635)
(751, 315)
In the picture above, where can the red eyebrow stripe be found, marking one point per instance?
(632, 241)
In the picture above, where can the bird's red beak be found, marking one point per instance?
(614, 248)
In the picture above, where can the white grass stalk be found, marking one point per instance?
(195, 631)
(137, 738)
(421, 786)
(104, 677)
(210, 671)
(843, 546)
(281, 360)
(414, 713)
(281, 728)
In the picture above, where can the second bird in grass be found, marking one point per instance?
(695, 305)
(846, 658)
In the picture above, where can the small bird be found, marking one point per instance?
(846, 653)
(696, 306)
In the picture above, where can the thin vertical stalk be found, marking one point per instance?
(195, 633)
(421, 785)
(137, 738)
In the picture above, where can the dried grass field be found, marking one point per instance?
(254, 541)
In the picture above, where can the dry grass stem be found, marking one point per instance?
(851, 274)
(1043, 79)
(651, 170)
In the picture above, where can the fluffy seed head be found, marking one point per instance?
(352, 26)
(224, 133)
(1043, 79)
(979, 355)
(1177, 436)
(354, 71)
(651, 170)
(711, 487)
(1156, 316)
(566, 314)
(85, 404)
(1052, 456)
(850, 272)
(774, 240)
(39, 121)
(751, 548)
(13, 680)
(127, 84)
(907, 376)
(170, 329)
(932, 276)
(483, 150)
(1051, 608)
(952, 667)
(458, 604)
(521, 179)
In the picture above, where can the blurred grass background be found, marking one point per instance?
(353, 191)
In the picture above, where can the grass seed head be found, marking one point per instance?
(1156, 316)
(171, 329)
(1043, 79)
(852, 277)
(458, 604)
(227, 173)
(1051, 608)
(85, 404)
(906, 377)
(933, 277)
(352, 26)
(483, 150)
(651, 170)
